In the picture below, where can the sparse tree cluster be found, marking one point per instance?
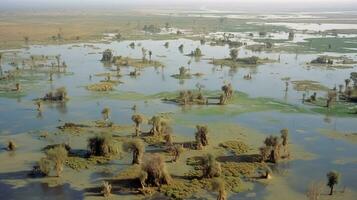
(138, 119)
(137, 148)
(188, 97)
(234, 54)
(227, 93)
(176, 151)
(55, 159)
(106, 114)
(160, 126)
(272, 147)
(211, 167)
(154, 172)
(60, 94)
(107, 56)
(196, 53)
(201, 136)
(102, 145)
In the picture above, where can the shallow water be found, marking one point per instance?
(83, 105)
(315, 27)
(36, 191)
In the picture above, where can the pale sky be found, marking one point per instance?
(225, 4)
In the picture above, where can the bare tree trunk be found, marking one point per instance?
(135, 157)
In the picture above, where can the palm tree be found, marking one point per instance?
(347, 82)
(102, 145)
(132, 45)
(176, 151)
(106, 113)
(108, 77)
(158, 124)
(51, 76)
(303, 97)
(57, 156)
(64, 66)
(228, 90)
(201, 136)
(138, 120)
(264, 153)
(332, 179)
(58, 59)
(168, 139)
(331, 95)
(284, 136)
(211, 167)
(340, 88)
(272, 143)
(11, 146)
(353, 77)
(234, 54)
(167, 25)
(39, 106)
(143, 51)
(181, 48)
(166, 45)
(61, 93)
(150, 54)
(136, 146)
(32, 61)
(291, 35)
(222, 99)
(154, 171)
(1, 72)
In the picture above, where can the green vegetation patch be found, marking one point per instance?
(339, 45)
(305, 85)
(181, 189)
(134, 62)
(241, 62)
(339, 108)
(241, 169)
(78, 163)
(238, 147)
(101, 87)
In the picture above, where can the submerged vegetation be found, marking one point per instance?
(108, 57)
(60, 94)
(240, 62)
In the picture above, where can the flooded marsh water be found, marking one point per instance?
(315, 155)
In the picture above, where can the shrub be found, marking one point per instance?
(136, 146)
(154, 167)
(55, 158)
(102, 146)
(11, 146)
(107, 189)
(211, 167)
